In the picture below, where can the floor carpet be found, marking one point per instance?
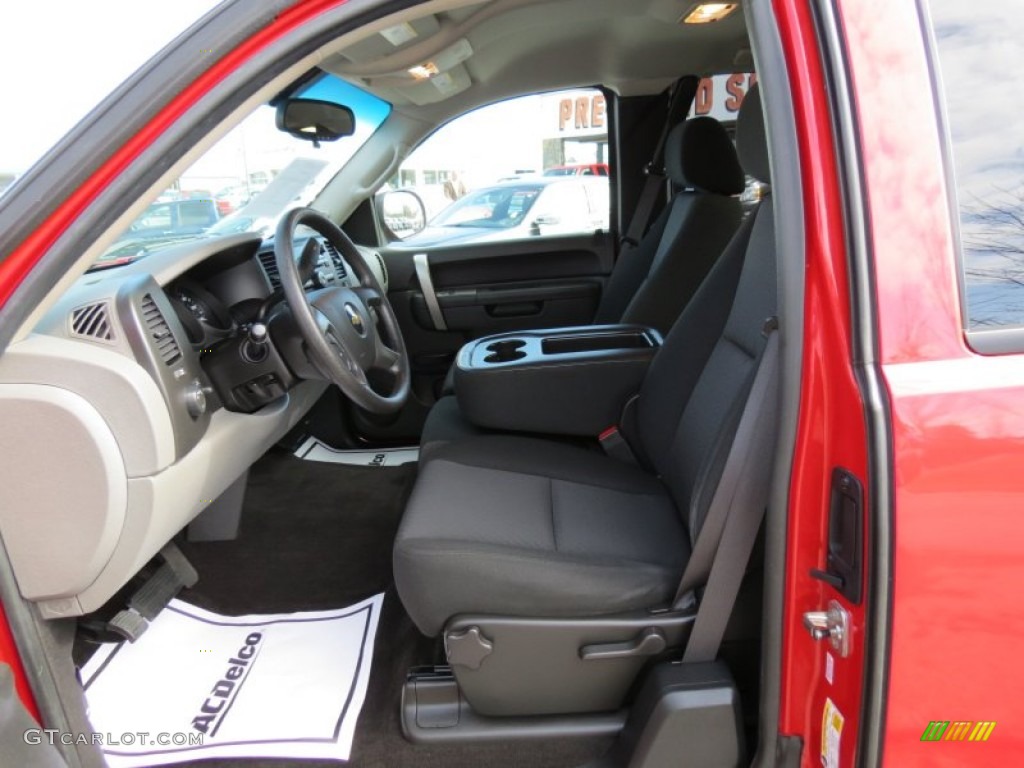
(317, 536)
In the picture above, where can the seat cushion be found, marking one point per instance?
(516, 526)
(445, 424)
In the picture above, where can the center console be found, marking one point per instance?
(571, 381)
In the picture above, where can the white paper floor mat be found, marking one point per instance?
(314, 450)
(276, 685)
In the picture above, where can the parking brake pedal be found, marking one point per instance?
(153, 596)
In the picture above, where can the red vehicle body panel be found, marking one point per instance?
(831, 430)
(958, 425)
(9, 655)
(586, 169)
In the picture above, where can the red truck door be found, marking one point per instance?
(913, 383)
(942, 162)
(834, 488)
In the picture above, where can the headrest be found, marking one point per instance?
(700, 154)
(751, 143)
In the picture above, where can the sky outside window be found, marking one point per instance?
(60, 58)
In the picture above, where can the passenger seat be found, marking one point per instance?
(522, 551)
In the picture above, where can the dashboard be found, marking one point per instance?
(118, 392)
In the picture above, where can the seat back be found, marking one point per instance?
(696, 386)
(652, 283)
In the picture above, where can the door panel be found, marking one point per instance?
(481, 289)
(459, 266)
(957, 415)
(487, 309)
(484, 289)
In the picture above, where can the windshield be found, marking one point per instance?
(247, 180)
(492, 208)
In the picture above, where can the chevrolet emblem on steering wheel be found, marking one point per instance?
(355, 318)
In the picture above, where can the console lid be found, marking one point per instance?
(571, 381)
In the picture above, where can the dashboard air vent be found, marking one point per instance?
(269, 262)
(336, 260)
(166, 345)
(92, 322)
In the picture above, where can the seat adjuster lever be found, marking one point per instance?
(650, 642)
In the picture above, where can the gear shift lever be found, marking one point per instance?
(254, 348)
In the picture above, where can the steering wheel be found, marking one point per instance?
(349, 332)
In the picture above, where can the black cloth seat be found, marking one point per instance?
(445, 424)
(515, 526)
(544, 528)
(652, 283)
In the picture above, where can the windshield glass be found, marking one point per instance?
(247, 180)
(491, 208)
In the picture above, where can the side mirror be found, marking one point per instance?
(403, 212)
(315, 120)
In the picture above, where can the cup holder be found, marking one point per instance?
(505, 351)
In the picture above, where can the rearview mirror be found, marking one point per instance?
(315, 120)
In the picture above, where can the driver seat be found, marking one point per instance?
(526, 553)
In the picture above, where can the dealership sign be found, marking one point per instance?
(585, 113)
(721, 96)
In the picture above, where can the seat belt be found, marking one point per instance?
(736, 510)
(682, 98)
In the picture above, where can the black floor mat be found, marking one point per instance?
(317, 536)
(314, 536)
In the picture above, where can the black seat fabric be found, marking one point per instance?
(524, 527)
(539, 528)
(652, 283)
(445, 424)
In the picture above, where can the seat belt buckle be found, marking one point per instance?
(615, 445)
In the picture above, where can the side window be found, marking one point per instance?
(530, 167)
(979, 46)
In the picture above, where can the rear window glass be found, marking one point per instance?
(979, 48)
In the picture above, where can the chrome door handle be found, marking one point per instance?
(833, 624)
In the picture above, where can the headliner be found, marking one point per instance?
(527, 46)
